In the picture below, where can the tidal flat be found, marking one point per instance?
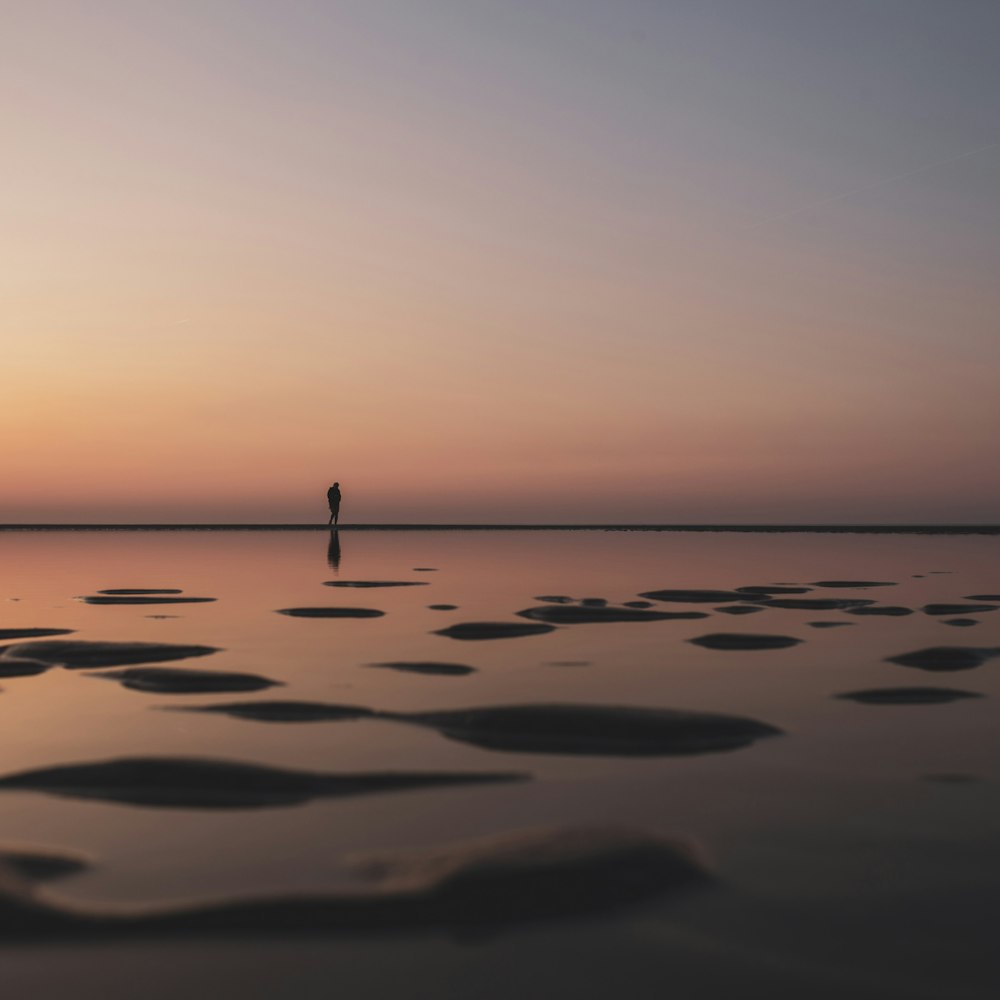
(705, 805)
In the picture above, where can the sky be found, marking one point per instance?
(514, 261)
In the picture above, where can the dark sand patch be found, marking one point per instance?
(554, 599)
(374, 583)
(593, 602)
(74, 653)
(957, 609)
(960, 622)
(694, 596)
(982, 597)
(331, 612)
(596, 730)
(889, 610)
(161, 617)
(493, 881)
(746, 641)
(602, 730)
(194, 783)
(135, 591)
(280, 711)
(944, 658)
(637, 604)
(424, 569)
(42, 864)
(828, 624)
(815, 603)
(146, 600)
(571, 614)
(428, 667)
(32, 633)
(16, 666)
(773, 590)
(908, 696)
(853, 584)
(492, 630)
(738, 609)
(443, 607)
(168, 680)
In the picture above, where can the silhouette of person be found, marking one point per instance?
(333, 499)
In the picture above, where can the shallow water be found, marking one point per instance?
(856, 853)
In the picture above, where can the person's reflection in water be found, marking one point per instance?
(333, 551)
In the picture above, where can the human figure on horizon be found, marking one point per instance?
(333, 499)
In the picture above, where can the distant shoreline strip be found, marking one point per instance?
(860, 529)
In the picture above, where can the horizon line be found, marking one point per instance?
(964, 529)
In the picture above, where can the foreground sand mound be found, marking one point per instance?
(504, 879)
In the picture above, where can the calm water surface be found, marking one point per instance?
(847, 866)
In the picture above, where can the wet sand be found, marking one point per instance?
(783, 808)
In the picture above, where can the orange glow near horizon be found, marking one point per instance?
(241, 263)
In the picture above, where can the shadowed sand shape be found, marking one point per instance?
(42, 864)
(601, 730)
(852, 584)
(504, 879)
(575, 614)
(765, 591)
(694, 596)
(16, 666)
(32, 633)
(331, 612)
(907, 696)
(281, 711)
(957, 609)
(943, 658)
(960, 622)
(828, 624)
(982, 597)
(592, 729)
(427, 667)
(168, 680)
(554, 599)
(739, 609)
(105, 599)
(375, 583)
(75, 653)
(814, 603)
(136, 591)
(443, 607)
(194, 783)
(889, 610)
(492, 630)
(744, 640)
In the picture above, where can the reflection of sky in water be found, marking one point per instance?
(846, 774)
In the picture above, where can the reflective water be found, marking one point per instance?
(856, 852)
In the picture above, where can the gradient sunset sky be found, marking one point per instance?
(500, 260)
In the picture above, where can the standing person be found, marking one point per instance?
(333, 499)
